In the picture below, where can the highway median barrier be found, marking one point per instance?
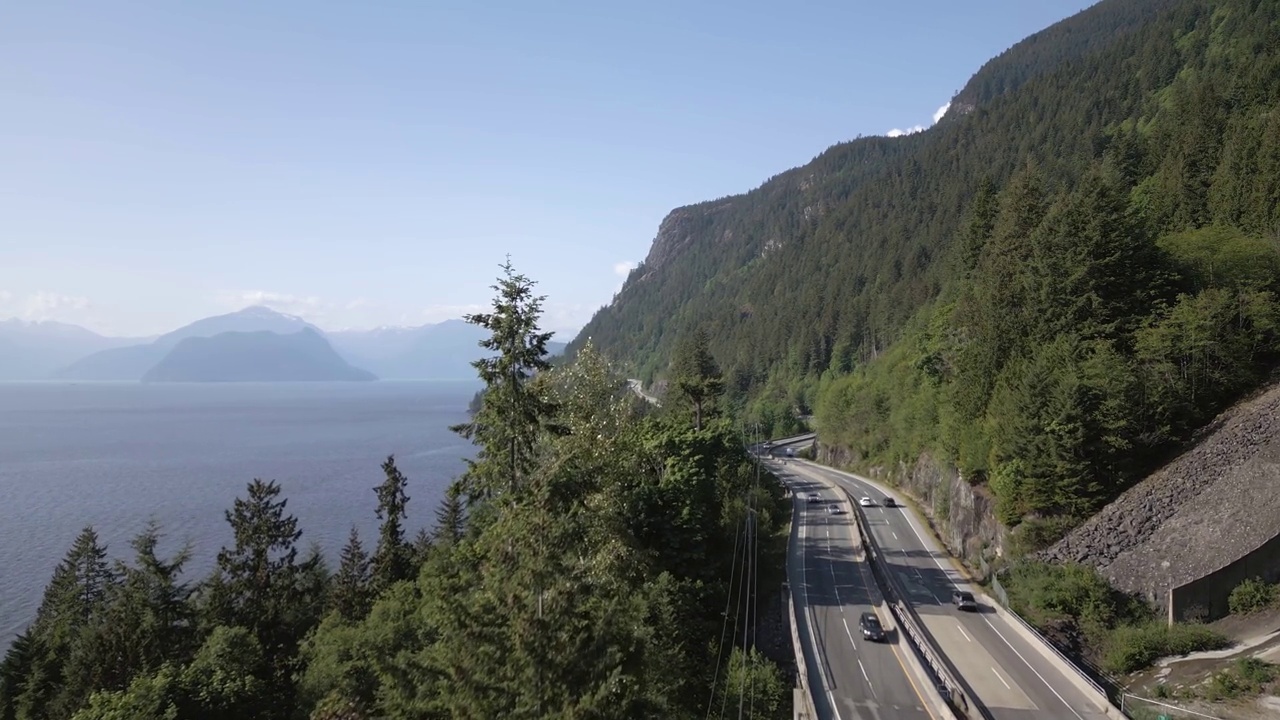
(958, 696)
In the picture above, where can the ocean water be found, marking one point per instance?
(116, 455)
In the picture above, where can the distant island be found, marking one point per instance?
(263, 356)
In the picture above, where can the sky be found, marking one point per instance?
(368, 164)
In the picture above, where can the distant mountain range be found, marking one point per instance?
(57, 351)
(262, 356)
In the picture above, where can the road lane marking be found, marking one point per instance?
(895, 535)
(1032, 669)
(997, 674)
(965, 634)
(864, 677)
(911, 524)
(808, 609)
(897, 653)
(850, 634)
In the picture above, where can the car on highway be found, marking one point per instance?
(814, 497)
(867, 502)
(890, 502)
(834, 509)
(871, 627)
(963, 600)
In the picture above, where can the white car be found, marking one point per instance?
(813, 497)
(867, 502)
(834, 509)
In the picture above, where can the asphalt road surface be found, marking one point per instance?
(1009, 674)
(851, 678)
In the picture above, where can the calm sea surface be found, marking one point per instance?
(116, 455)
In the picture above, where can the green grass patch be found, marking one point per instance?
(1130, 648)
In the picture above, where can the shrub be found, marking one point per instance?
(1251, 596)
(1134, 647)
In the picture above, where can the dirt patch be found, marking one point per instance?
(1247, 627)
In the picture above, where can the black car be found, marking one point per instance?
(871, 628)
(888, 501)
(963, 600)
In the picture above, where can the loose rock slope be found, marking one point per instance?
(1212, 505)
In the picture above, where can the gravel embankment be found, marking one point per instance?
(1207, 508)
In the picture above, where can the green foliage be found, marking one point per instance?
(754, 684)
(696, 381)
(1253, 595)
(1121, 631)
(1051, 289)
(350, 592)
(506, 423)
(1134, 647)
(591, 588)
(1247, 676)
(392, 560)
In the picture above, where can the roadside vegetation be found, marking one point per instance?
(1254, 595)
(1243, 678)
(1118, 633)
(581, 567)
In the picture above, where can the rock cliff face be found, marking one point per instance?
(1212, 505)
(962, 515)
(680, 229)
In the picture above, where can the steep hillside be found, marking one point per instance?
(1211, 505)
(1047, 291)
(304, 356)
(822, 265)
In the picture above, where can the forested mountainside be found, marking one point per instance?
(1047, 290)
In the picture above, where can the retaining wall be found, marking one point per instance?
(1205, 598)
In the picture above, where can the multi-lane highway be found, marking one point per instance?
(1006, 672)
(850, 678)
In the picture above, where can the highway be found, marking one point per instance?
(851, 678)
(1007, 672)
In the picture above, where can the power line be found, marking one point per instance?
(733, 569)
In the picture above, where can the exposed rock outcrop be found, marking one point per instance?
(962, 515)
(1212, 505)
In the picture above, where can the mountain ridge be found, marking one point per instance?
(52, 350)
(255, 356)
(1096, 196)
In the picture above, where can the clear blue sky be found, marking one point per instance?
(362, 164)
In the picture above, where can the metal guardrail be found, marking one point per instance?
(1161, 709)
(1112, 695)
(955, 692)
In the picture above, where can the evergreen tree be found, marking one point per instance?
(507, 424)
(422, 545)
(391, 560)
(52, 684)
(350, 595)
(451, 516)
(696, 379)
(146, 620)
(260, 585)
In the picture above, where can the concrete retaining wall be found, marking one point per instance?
(1205, 599)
